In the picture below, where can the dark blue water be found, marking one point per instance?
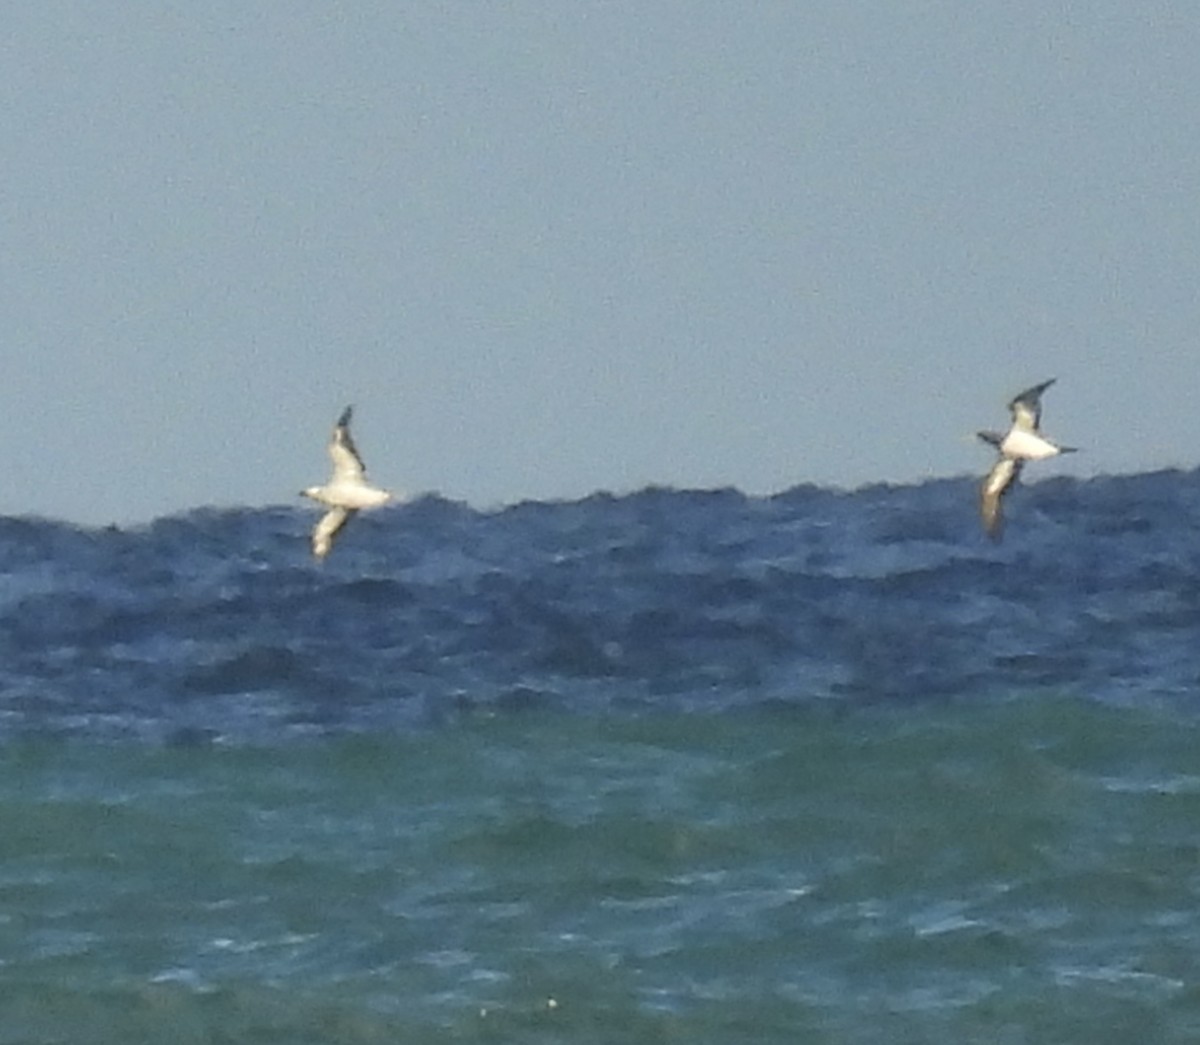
(218, 624)
(671, 766)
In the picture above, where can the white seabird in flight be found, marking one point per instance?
(1023, 442)
(347, 490)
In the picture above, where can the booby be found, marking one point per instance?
(347, 490)
(1022, 442)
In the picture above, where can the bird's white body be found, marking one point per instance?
(348, 495)
(1024, 445)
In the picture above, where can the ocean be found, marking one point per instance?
(667, 767)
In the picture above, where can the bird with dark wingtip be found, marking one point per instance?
(347, 490)
(1022, 442)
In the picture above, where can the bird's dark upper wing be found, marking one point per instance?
(1026, 407)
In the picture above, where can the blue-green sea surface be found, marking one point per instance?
(1025, 870)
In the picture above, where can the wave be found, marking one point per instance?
(217, 623)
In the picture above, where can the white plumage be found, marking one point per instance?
(347, 490)
(1022, 442)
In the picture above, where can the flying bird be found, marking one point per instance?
(1022, 442)
(347, 490)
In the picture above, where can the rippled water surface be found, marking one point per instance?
(669, 767)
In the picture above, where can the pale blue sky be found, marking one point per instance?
(550, 248)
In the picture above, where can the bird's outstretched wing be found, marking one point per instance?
(996, 484)
(1026, 407)
(347, 465)
(327, 528)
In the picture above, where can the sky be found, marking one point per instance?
(548, 249)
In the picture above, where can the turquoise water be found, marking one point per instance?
(1024, 870)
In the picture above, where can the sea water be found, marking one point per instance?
(666, 767)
